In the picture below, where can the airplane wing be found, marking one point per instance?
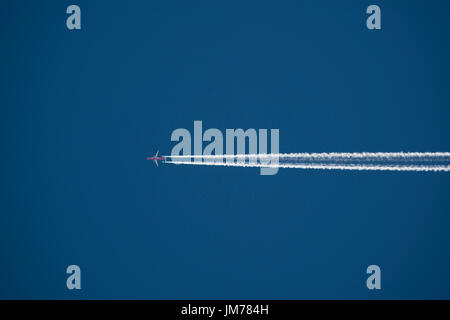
(156, 161)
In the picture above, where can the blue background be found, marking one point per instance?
(81, 110)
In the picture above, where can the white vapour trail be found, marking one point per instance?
(381, 161)
(329, 155)
(359, 167)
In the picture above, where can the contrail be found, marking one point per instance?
(324, 155)
(379, 161)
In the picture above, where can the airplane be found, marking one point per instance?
(155, 158)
